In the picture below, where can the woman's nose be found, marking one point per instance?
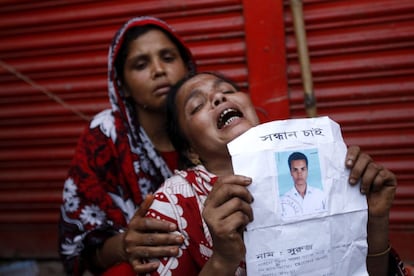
(158, 68)
(218, 98)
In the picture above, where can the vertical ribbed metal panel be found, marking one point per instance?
(362, 61)
(361, 58)
(59, 48)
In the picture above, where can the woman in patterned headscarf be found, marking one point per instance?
(125, 153)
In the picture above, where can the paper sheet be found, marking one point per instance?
(323, 234)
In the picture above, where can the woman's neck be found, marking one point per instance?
(221, 165)
(154, 124)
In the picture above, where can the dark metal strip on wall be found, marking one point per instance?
(61, 47)
(362, 64)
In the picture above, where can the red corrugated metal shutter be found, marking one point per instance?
(362, 61)
(53, 58)
(61, 47)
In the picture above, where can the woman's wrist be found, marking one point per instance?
(377, 230)
(112, 252)
(380, 254)
(217, 265)
(378, 245)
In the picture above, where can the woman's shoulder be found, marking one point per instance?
(100, 134)
(100, 128)
(176, 185)
(188, 182)
(105, 122)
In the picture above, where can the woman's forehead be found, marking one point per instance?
(199, 84)
(200, 79)
(203, 80)
(153, 37)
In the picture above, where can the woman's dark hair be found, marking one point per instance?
(137, 31)
(177, 138)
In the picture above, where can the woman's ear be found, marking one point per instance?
(193, 157)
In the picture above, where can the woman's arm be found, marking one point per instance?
(227, 211)
(378, 246)
(379, 186)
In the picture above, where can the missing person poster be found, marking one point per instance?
(307, 219)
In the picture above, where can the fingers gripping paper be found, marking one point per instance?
(307, 219)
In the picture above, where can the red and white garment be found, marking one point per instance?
(181, 201)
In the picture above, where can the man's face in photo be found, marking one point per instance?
(299, 172)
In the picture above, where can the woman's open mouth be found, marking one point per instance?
(228, 116)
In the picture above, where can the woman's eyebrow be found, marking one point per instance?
(142, 56)
(218, 82)
(169, 49)
(135, 58)
(194, 93)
